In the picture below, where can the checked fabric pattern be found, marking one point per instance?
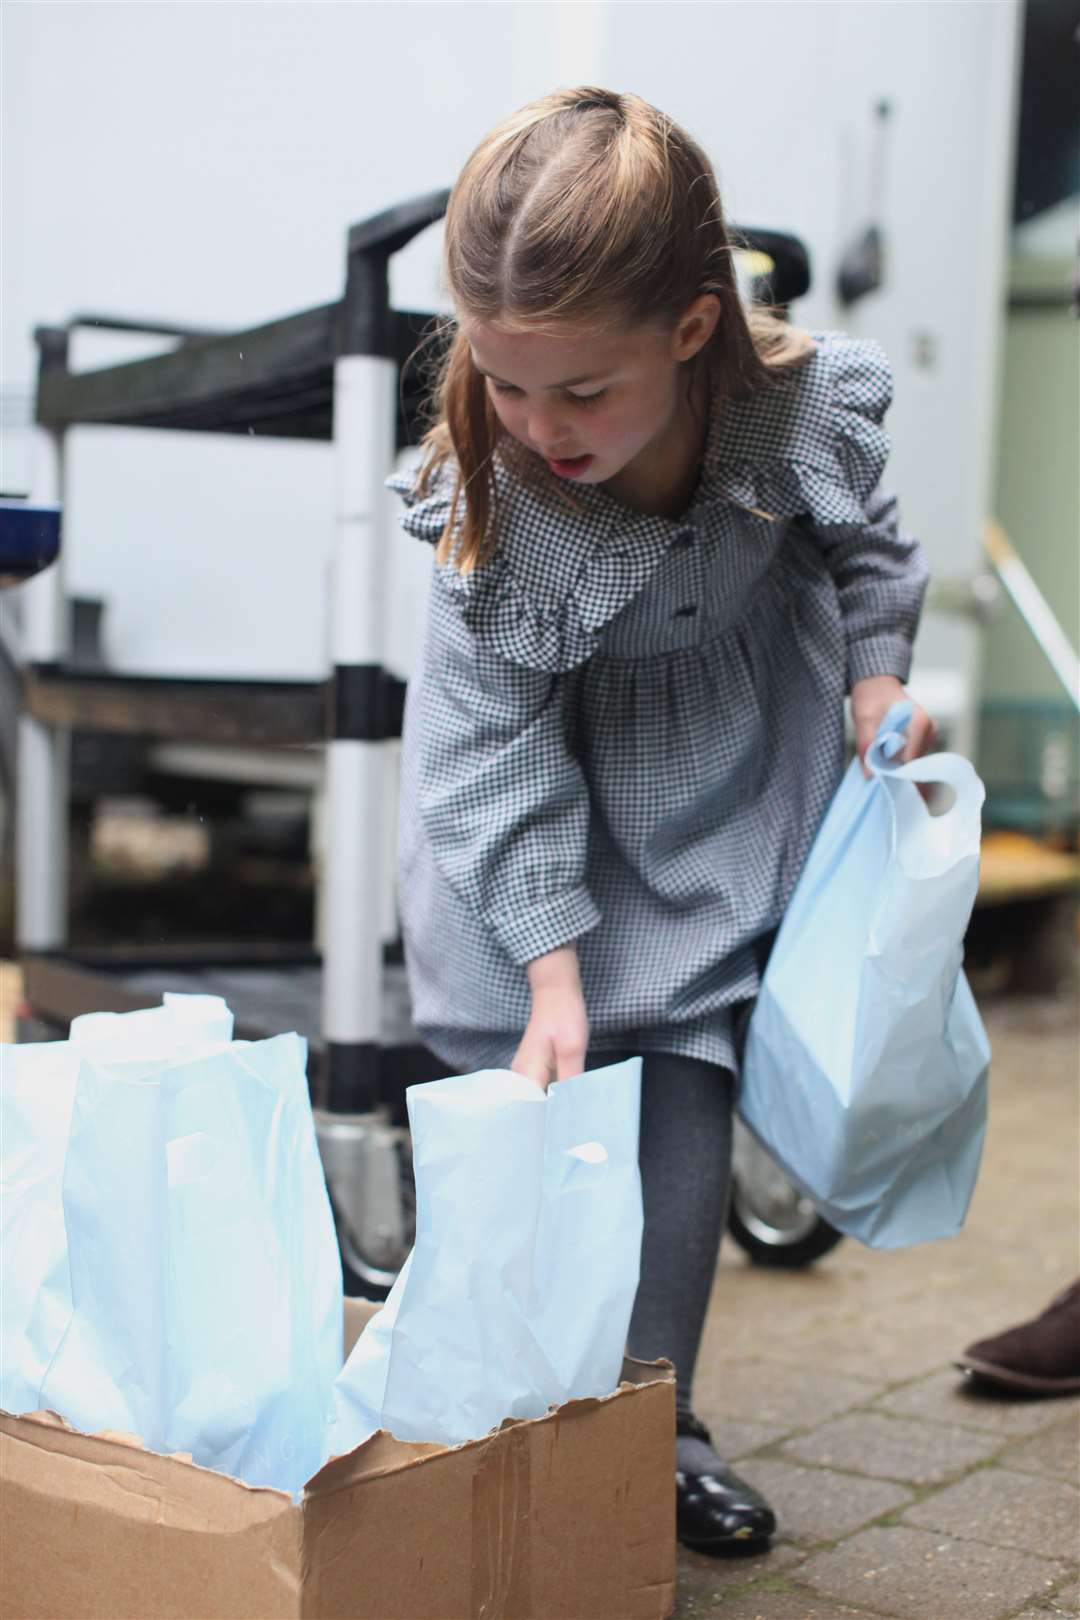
(624, 729)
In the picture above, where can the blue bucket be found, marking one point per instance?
(29, 538)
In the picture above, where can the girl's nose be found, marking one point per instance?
(547, 428)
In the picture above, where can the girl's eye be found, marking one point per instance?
(589, 399)
(505, 388)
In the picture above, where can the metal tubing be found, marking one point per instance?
(41, 830)
(44, 631)
(352, 902)
(41, 836)
(351, 899)
(1034, 609)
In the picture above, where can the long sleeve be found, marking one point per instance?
(504, 805)
(813, 449)
(881, 576)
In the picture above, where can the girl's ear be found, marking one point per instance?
(695, 326)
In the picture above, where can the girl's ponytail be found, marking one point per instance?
(465, 429)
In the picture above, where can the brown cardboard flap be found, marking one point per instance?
(569, 1515)
(121, 1474)
(381, 1453)
(98, 1530)
(647, 1372)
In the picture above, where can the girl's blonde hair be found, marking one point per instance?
(585, 207)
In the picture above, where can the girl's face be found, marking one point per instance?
(600, 408)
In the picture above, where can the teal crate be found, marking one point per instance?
(1029, 757)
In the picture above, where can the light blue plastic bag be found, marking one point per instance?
(37, 1094)
(865, 1070)
(187, 1285)
(518, 1292)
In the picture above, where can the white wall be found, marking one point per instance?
(201, 163)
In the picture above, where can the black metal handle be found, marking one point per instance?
(790, 276)
(387, 233)
(367, 324)
(116, 323)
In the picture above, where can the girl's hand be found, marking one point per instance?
(871, 700)
(556, 1037)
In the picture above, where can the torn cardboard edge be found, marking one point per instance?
(380, 1454)
(568, 1516)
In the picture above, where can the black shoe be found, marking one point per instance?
(718, 1512)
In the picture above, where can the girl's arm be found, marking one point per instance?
(504, 803)
(556, 1038)
(505, 809)
(880, 573)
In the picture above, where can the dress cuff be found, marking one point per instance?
(878, 655)
(546, 926)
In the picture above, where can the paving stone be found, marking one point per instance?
(734, 1439)
(948, 1397)
(757, 1603)
(894, 1448)
(847, 1318)
(777, 1396)
(701, 1581)
(1055, 1451)
(915, 1574)
(1066, 1600)
(814, 1504)
(1007, 1509)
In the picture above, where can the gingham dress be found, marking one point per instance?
(624, 729)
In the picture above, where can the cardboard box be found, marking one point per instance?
(566, 1517)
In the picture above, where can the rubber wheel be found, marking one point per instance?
(784, 1249)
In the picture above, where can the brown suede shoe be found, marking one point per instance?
(1041, 1357)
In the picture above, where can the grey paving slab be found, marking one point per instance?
(859, 1315)
(815, 1504)
(919, 1575)
(1066, 1600)
(779, 1397)
(790, 1604)
(1028, 1511)
(898, 1448)
(1054, 1451)
(946, 1396)
(736, 1439)
(701, 1582)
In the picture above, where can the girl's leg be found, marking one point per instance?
(686, 1128)
(686, 1123)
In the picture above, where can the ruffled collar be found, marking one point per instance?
(811, 444)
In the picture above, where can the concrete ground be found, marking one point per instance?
(898, 1490)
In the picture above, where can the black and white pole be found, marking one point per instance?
(356, 754)
(355, 894)
(41, 830)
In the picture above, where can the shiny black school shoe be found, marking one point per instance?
(718, 1513)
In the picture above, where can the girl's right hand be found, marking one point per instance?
(556, 1037)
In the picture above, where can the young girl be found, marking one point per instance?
(662, 559)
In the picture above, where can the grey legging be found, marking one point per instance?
(685, 1154)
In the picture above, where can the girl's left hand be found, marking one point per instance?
(871, 700)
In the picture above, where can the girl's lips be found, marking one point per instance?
(572, 468)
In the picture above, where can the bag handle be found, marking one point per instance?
(959, 825)
(953, 770)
